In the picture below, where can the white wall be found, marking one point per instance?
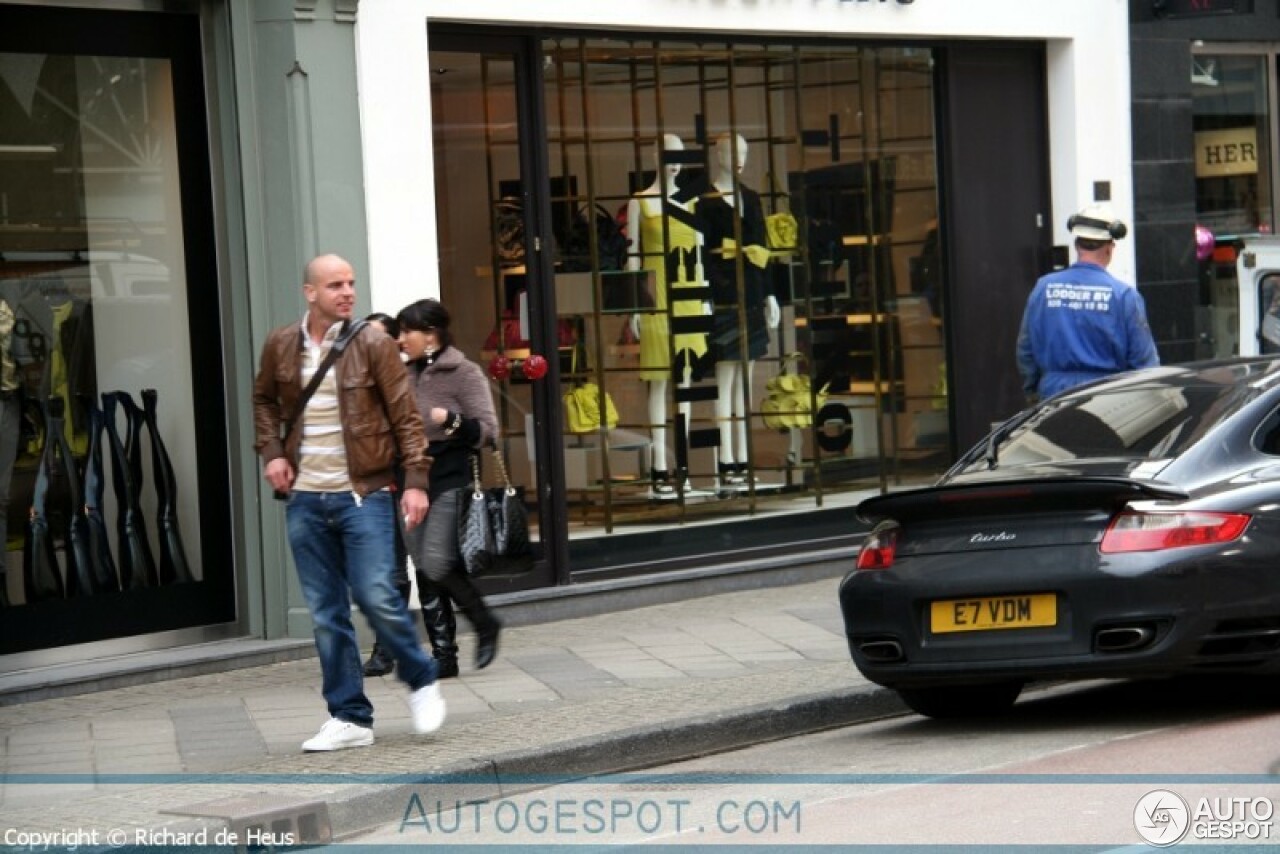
(1088, 88)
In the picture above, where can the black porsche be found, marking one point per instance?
(1130, 527)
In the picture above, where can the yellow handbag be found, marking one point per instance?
(582, 409)
(790, 400)
(783, 231)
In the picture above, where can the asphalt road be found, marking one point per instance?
(1080, 765)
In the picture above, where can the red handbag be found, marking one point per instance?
(512, 343)
(508, 333)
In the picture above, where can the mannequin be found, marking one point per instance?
(725, 201)
(668, 247)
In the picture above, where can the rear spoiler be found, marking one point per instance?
(976, 499)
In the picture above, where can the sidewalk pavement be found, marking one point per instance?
(598, 694)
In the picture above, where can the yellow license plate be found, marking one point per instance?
(994, 612)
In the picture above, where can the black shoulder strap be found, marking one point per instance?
(352, 330)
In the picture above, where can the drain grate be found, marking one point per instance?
(301, 824)
(266, 822)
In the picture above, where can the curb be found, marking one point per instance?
(625, 750)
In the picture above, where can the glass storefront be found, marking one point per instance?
(1235, 182)
(741, 300)
(115, 459)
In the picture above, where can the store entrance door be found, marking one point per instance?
(488, 256)
(998, 214)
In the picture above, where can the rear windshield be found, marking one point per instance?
(1149, 421)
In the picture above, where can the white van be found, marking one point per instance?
(1257, 325)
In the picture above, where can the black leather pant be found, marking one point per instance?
(442, 581)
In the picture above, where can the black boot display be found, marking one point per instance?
(442, 630)
(174, 568)
(103, 565)
(483, 620)
(75, 527)
(380, 662)
(133, 555)
(41, 575)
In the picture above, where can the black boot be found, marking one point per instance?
(442, 630)
(380, 662)
(488, 627)
(483, 620)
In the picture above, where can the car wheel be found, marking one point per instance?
(962, 701)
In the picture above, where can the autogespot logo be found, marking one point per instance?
(1161, 818)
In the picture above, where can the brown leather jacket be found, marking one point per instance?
(377, 409)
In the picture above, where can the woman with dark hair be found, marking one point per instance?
(456, 404)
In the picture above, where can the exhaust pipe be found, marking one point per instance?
(1123, 638)
(881, 650)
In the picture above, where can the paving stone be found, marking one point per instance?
(556, 689)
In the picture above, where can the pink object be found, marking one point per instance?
(500, 368)
(1204, 243)
(535, 367)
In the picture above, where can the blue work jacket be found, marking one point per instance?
(1081, 324)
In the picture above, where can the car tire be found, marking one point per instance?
(962, 701)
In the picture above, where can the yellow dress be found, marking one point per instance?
(674, 245)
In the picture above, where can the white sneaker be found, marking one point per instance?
(339, 735)
(427, 706)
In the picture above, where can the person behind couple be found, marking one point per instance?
(339, 508)
(455, 400)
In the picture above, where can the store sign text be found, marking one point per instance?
(1226, 152)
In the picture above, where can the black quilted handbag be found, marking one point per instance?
(493, 526)
(508, 230)
(611, 242)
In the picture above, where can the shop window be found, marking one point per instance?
(821, 163)
(745, 269)
(114, 464)
(1234, 182)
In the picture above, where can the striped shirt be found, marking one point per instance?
(322, 457)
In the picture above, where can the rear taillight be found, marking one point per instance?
(1148, 532)
(878, 549)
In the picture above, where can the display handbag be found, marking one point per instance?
(790, 400)
(782, 230)
(583, 404)
(493, 525)
(582, 409)
(611, 242)
(508, 230)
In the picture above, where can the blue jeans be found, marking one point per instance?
(344, 550)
